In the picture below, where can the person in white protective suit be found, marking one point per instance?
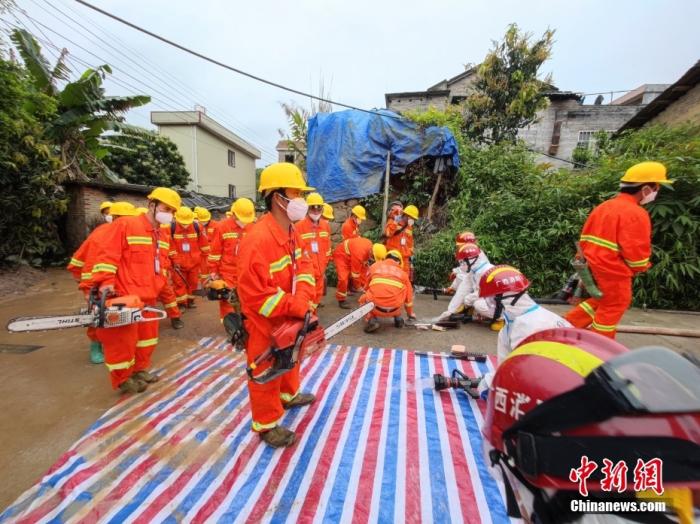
(473, 263)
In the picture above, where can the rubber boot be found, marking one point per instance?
(177, 323)
(302, 399)
(145, 376)
(344, 305)
(398, 322)
(278, 437)
(191, 304)
(132, 385)
(96, 354)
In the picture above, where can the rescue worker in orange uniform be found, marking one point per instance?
(208, 226)
(616, 243)
(399, 234)
(166, 295)
(275, 283)
(388, 287)
(225, 247)
(351, 257)
(187, 244)
(316, 236)
(83, 259)
(128, 263)
(351, 226)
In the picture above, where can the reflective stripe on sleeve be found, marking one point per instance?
(600, 242)
(637, 263)
(103, 266)
(271, 303)
(139, 241)
(387, 281)
(75, 262)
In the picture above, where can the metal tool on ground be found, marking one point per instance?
(102, 313)
(295, 339)
(458, 380)
(435, 291)
(459, 351)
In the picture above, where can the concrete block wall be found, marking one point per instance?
(685, 109)
(417, 103)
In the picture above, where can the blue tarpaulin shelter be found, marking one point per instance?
(347, 150)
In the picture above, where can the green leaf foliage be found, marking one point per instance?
(142, 157)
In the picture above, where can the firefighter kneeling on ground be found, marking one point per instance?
(275, 284)
(351, 257)
(576, 418)
(128, 263)
(388, 288)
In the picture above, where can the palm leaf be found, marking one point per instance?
(38, 67)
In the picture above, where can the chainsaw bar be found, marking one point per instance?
(348, 320)
(48, 322)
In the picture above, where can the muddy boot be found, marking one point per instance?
(372, 326)
(398, 322)
(177, 323)
(182, 307)
(344, 305)
(191, 305)
(278, 437)
(132, 385)
(96, 354)
(302, 399)
(145, 376)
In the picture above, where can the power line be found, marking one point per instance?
(151, 67)
(118, 68)
(227, 66)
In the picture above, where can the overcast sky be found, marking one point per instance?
(360, 49)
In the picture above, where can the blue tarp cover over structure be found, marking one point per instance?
(347, 150)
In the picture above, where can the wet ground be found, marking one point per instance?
(49, 396)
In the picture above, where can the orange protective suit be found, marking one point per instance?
(315, 238)
(128, 259)
(186, 247)
(224, 255)
(350, 228)
(389, 288)
(210, 232)
(616, 242)
(275, 282)
(399, 236)
(350, 257)
(81, 263)
(166, 295)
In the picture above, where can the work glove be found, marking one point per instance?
(107, 290)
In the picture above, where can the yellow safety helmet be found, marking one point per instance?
(359, 212)
(105, 205)
(141, 210)
(395, 255)
(646, 173)
(244, 210)
(328, 211)
(167, 196)
(314, 199)
(184, 216)
(378, 252)
(122, 209)
(411, 211)
(282, 175)
(203, 214)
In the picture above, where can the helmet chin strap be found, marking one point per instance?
(499, 304)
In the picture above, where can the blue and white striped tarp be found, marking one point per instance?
(378, 445)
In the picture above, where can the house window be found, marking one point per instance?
(231, 158)
(231, 191)
(586, 139)
(289, 158)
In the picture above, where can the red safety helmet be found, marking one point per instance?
(502, 279)
(468, 252)
(564, 393)
(465, 237)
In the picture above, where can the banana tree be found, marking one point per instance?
(84, 112)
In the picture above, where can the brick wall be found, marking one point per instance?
(685, 109)
(417, 103)
(84, 210)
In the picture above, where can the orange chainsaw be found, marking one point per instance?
(100, 312)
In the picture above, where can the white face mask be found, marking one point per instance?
(109, 218)
(411, 221)
(315, 216)
(163, 217)
(296, 208)
(650, 197)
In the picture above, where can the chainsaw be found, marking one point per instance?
(100, 312)
(294, 339)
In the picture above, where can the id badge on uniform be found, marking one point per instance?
(403, 241)
(185, 247)
(314, 247)
(157, 266)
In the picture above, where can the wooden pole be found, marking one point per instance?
(386, 189)
(433, 198)
(655, 330)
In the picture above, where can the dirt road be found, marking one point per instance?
(51, 395)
